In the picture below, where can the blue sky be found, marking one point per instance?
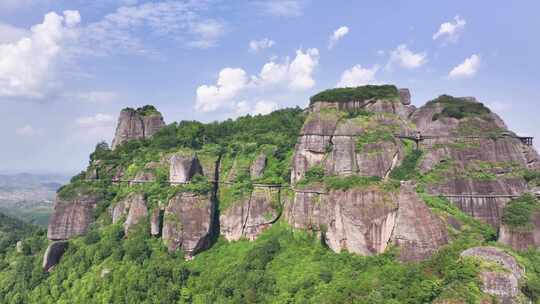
(68, 67)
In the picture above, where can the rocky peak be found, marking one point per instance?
(138, 123)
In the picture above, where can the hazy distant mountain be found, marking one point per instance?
(29, 196)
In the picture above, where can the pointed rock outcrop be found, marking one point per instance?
(137, 124)
(137, 211)
(189, 223)
(257, 167)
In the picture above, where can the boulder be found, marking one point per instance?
(251, 216)
(137, 210)
(72, 216)
(133, 124)
(256, 169)
(183, 167)
(53, 254)
(418, 232)
(405, 96)
(504, 284)
(189, 223)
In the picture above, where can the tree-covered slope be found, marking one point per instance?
(325, 205)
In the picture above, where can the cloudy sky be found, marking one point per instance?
(67, 67)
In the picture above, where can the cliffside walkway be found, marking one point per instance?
(419, 137)
(287, 186)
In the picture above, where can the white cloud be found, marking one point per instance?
(99, 119)
(92, 129)
(451, 30)
(358, 76)
(209, 32)
(282, 8)
(230, 82)
(264, 107)
(337, 35)
(233, 83)
(467, 68)
(28, 65)
(26, 130)
(406, 58)
(124, 30)
(257, 45)
(9, 33)
(102, 97)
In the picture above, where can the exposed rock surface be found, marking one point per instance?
(134, 125)
(53, 254)
(252, 216)
(257, 167)
(183, 167)
(155, 222)
(137, 210)
(189, 223)
(418, 232)
(521, 239)
(469, 144)
(358, 220)
(504, 285)
(72, 217)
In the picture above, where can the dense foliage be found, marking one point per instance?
(382, 92)
(518, 213)
(459, 108)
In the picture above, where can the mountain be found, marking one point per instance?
(359, 198)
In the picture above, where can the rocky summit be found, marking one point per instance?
(361, 172)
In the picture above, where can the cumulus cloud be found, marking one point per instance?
(467, 68)
(9, 33)
(230, 82)
(26, 130)
(257, 45)
(121, 31)
(451, 31)
(358, 76)
(282, 8)
(264, 107)
(406, 58)
(233, 84)
(337, 35)
(27, 65)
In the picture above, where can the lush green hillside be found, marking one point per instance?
(283, 265)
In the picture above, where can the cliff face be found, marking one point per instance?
(136, 124)
(189, 223)
(72, 216)
(468, 155)
(342, 185)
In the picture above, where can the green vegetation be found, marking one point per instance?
(373, 137)
(382, 92)
(518, 213)
(408, 170)
(459, 108)
(349, 182)
(146, 110)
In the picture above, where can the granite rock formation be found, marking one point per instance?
(183, 167)
(504, 285)
(72, 216)
(189, 223)
(136, 124)
(53, 254)
(251, 216)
